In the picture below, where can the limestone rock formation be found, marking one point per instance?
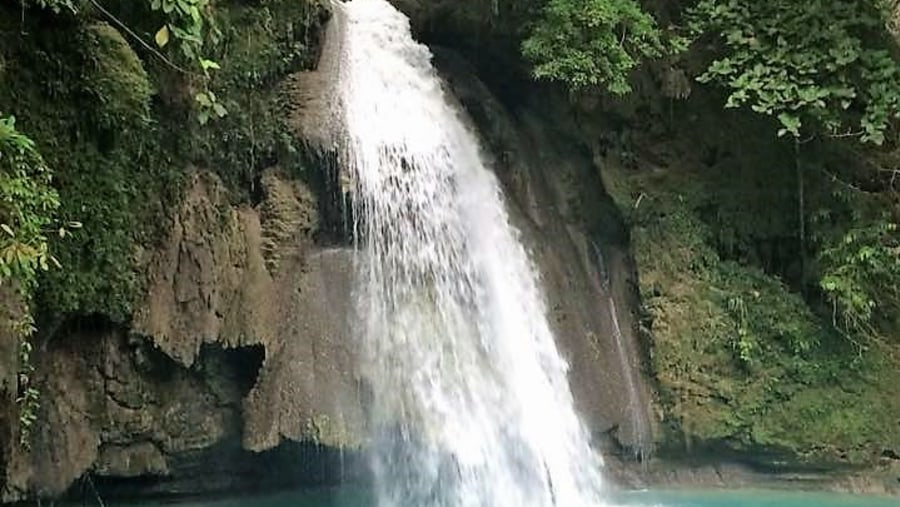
(242, 277)
(241, 343)
(209, 281)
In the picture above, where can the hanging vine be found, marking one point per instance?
(28, 204)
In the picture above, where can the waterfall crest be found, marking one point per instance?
(471, 402)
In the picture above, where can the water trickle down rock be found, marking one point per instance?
(314, 106)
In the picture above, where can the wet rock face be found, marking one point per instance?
(119, 408)
(244, 276)
(208, 279)
(580, 245)
(122, 417)
(239, 358)
(11, 307)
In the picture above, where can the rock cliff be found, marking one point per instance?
(238, 360)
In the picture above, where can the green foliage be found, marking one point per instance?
(210, 107)
(825, 62)
(28, 204)
(84, 96)
(187, 24)
(115, 194)
(861, 275)
(854, 236)
(115, 79)
(56, 6)
(766, 315)
(29, 396)
(261, 44)
(588, 43)
(190, 23)
(742, 362)
(114, 129)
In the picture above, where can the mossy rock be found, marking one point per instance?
(743, 363)
(95, 103)
(116, 78)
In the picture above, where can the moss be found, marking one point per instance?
(261, 45)
(116, 79)
(742, 361)
(85, 96)
(114, 125)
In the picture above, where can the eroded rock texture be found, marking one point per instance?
(241, 347)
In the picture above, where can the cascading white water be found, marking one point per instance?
(471, 403)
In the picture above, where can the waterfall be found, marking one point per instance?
(471, 404)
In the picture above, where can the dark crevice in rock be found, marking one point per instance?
(62, 328)
(243, 364)
(334, 201)
(257, 190)
(226, 469)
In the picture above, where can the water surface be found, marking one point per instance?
(652, 498)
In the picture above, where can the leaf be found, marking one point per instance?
(209, 64)
(7, 229)
(162, 36)
(220, 110)
(791, 124)
(203, 99)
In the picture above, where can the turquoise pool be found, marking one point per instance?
(711, 498)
